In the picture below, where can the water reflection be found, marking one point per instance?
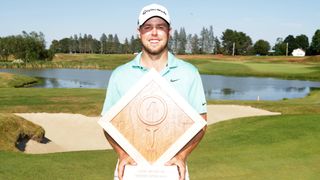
(215, 87)
(227, 91)
(61, 83)
(295, 89)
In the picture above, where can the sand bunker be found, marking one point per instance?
(76, 132)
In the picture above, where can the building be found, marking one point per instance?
(298, 52)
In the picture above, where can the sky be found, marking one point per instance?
(259, 19)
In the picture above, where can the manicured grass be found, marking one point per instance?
(306, 68)
(280, 147)
(84, 101)
(90, 101)
(267, 69)
(93, 165)
(271, 147)
(85, 61)
(8, 80)
(274, 147)
(13, 127)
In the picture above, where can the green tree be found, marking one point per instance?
(81, 44)
(182, 39)
(195, 48)
(217, 46)
(116, 44)
(261, 47)
(303, 42)
(75, 44)
(242, 42)
(126, 47)
(175, 42)
(228, 38)
(64, 45)
(188, 45)
(292, 43)
(26, 46)
(207, 40)
(103, 43)
(135, 44)
(55, 46)
(280, 47)
(110, 47)
(315, 44)
(90, 43)
(4, 48)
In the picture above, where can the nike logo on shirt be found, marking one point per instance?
(173, 80)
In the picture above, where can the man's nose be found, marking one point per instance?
(154, 31)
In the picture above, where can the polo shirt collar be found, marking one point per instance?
(172, 62)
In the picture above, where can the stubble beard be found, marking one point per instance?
(159, 50)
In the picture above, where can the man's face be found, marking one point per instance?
(154, 34)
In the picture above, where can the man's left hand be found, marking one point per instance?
(181, 163)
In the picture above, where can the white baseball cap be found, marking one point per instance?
(153, 10)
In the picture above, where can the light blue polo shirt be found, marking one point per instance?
(183, 76)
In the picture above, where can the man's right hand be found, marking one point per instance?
(124, 160)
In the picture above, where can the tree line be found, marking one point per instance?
(107, 44)
(26, 46)
(31, 46)
(231, 42)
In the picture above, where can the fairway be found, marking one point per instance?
(282, 68)
(282, 147)
(260, 69)
(275, 147)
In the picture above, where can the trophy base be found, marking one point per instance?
(151, 173)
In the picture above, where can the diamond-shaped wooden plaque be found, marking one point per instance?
(152, 121)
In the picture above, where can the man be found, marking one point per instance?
(154, 32)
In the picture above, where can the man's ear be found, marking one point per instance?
(138, 33)
(170, 32)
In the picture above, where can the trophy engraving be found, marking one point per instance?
(152, 111)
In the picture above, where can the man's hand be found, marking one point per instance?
(181, 163)
(124, 160)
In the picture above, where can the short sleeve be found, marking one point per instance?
(196, 94)
(112, 94)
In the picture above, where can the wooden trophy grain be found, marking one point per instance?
(152, 122)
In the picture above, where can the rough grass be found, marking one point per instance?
(13, 128)
(8, 80)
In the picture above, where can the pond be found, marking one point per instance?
(215, 86)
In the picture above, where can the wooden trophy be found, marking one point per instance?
(152, 122)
